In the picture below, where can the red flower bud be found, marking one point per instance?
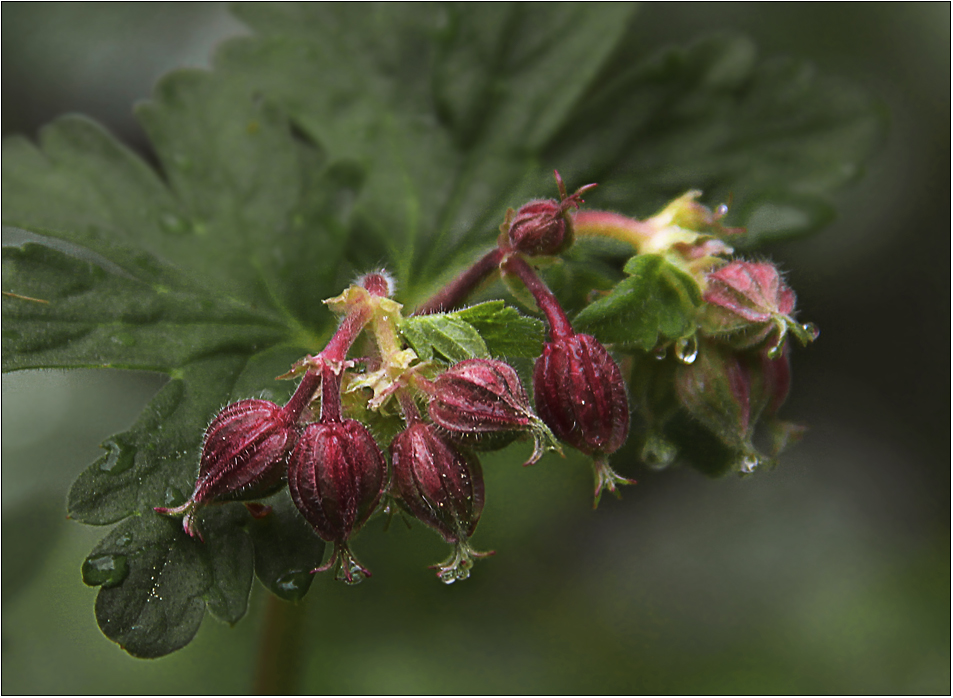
(443, 487)
(580, 394)
(748, 301)
(244, 456)
(477, 398)
(543, 226)
(337, 475)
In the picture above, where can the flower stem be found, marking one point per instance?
(613, 225)
(278, 668)
(559, 326)
(303, 395)
(454, 293)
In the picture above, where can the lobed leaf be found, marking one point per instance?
(506, 332)
(657, 303)
(767, 134)
(168, 579)
(445, 335)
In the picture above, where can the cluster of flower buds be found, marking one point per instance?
(727, 375)
(732, 373)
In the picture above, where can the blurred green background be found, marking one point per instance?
(830, 574)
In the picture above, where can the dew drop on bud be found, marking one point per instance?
(660, 354)
(721, 210)
(658, 452)
(748, 463)
(686, 349)
(354, 576)
(812, 330)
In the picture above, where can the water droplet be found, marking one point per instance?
(357, 576)
(776, 351)
(660, 353)
(105, 570)
(811, 330)
(721, 210)
(658, 452)
(120, 457)
(686, 349)
(174, 224)
(173, 498)
(748, 463)
(293, 585)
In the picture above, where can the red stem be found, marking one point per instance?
(303, 395)
(330, 395)
(347, 332)
(453, 294)
(559, 326)
(408, 406)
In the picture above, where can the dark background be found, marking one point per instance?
(830, 574)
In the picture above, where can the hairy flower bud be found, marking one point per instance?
(729, 391)
(580, 394)
(479, 398)
(443, 487)
(748, 302)
(337, 475)
(244, 456)
(543, 226)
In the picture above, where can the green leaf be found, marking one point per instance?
(769, 135)
(506, 332)
(286, 549)
(157, 607)
(443, 334)
(656, 304)
(95, 314)
(446, 109)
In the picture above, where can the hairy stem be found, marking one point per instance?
(613, 225)
(558, 322)
(330, 395)
(278, 669)
(303, 395)
(453, 294)
(347, 332)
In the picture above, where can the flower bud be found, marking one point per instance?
(729, 392)
(337, 475)
(580, 394)
(443, 487)
(747, 302)
(244, 456)
(543, 226)
(479, 398)
(716, 390)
